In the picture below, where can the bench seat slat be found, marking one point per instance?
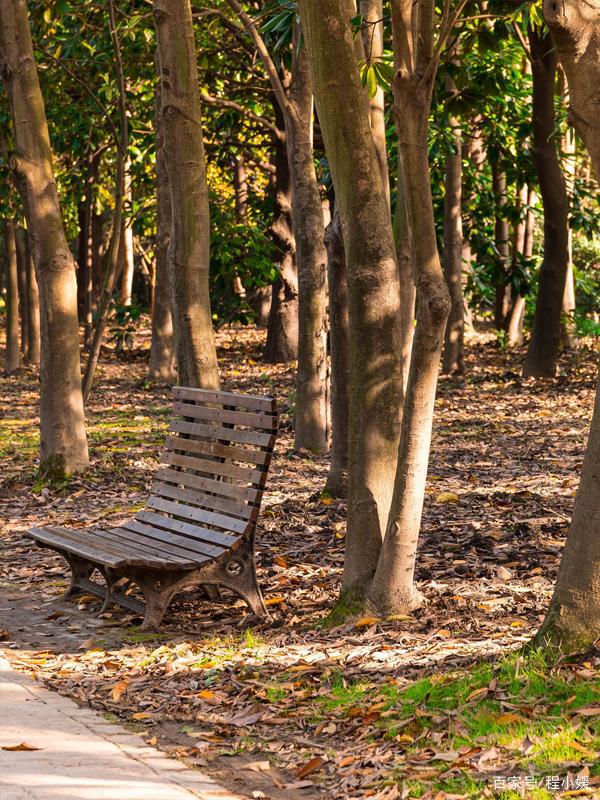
(130, 554)
(194, 532)
(202, 499)
(227, 434)
(56, 539)
(224, 488)
(146, 544)
(228, 452)
(226, 398)
(190, 514)
(193, 548)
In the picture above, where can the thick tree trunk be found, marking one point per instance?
(63, 439)
(573, 620)
(375, 382)
(503, 293)
(12, 355)
(312, 402)
(33, 355)
(542, 354)
(282, 329)
(393, 589)
(189, 251)
(453, 357)
(162, 356)
(337, 477)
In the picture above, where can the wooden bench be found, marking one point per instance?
(199, 523)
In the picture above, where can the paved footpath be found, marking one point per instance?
(81, 756)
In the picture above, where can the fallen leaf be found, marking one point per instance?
(311, 766)
(447, 497)
(119, 690)
(366, 622)
(508, 719)
(23, 746)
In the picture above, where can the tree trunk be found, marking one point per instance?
(542, 354)
(189, 250)
(372, 36)
(19, 238)
(33, 355)
(503, 293)
(312, 402)
(522, 248)
(126, 243)
(12, 355)
(162, 356)
(573, 620)
(568, 326)
(63, 439)
(453, 358)
(375, 381)
(408, 290)
(337, 477)
(86, 246)
(282, 328)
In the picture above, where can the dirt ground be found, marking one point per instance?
(233, 698)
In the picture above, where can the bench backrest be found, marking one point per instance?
(214, 465)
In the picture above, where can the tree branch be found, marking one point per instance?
(222, 103)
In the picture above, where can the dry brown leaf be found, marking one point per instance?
(366, 622)
(311, 766)
(119, 690)
(22, 747)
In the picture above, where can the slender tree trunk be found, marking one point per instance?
(408, 290)
(453, 357)
(33, 355)
(503, 293)
(375, 381)
(282, 330)
(393, 589)
(337, 477)
(19, 236)
(189, 251)
(86, 249)
(514, 323)
(112, 257)
(542, 354)
(312, 408)
(568, 327)
(126, 254)
(372, 36)
(162, 356)
(63, 439)
(573, 620)
(12, 356)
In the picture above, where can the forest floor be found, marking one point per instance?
(438, 704)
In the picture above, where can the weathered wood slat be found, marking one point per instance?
(220, 521)
(252, 420)
(98, 540)
(170, 554)
(161, 488)
(195, 549)
(214, 468)
(90, 553)
(226, 434)
(224, 488)
(178, 525)
(228, 452)
(226, 398)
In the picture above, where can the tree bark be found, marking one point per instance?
(453, 357)
(337, 477)
(393, 589)
(63, 438)
(503, 293)
(408, 290)
(126, 242)
(572, 623)
(282, 330)
(12, 355)
(189, 250)
(312, 402)
(33, 354)
(542, 354)
(372, 36)
(19, 235)
(162, 356)
(373, 288)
